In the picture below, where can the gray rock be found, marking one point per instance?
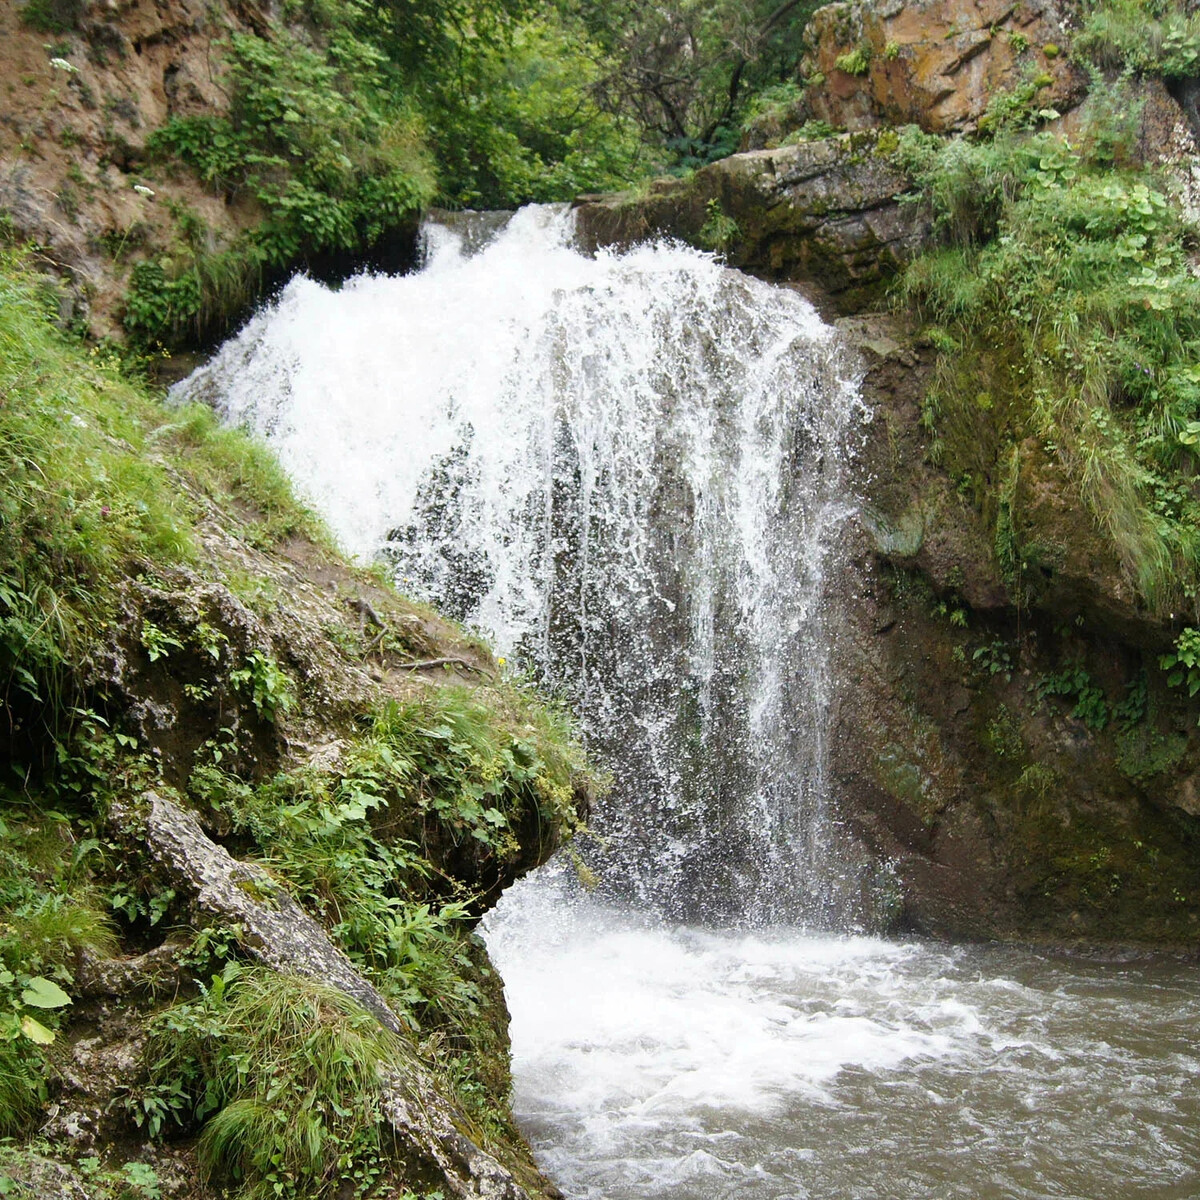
(280, 934)
(826, 212)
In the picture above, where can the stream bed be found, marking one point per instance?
(658, 1060)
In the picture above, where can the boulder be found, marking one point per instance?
(825, 212)
(280, 934)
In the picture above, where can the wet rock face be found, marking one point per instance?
(1022, 767)
(824, 212)
(936, 63)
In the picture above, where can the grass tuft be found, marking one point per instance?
(1064, 281)
(286, 1075)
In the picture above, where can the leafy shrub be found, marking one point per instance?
(1144, 36)
(856, 61)
(53, 16)
(1074, 683)
(452, 774)
(315, 138)
(994, 658)
(1183, 665)
(1066, 283)
(719, 230)
(267, 687)
(182, 297)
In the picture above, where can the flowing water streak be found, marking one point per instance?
(626, 469)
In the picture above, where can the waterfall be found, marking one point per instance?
(627, 470)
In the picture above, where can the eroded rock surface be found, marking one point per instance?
(826, 212)
(73, 137)
(280, 934)
(936, 63)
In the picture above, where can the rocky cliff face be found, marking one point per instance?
(85, 84)
(1021, 762)
(937, 63)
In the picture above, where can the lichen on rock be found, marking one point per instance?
(824, 212)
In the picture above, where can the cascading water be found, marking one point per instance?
(628, 470)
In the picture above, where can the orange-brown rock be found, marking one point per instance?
(77, 109)
(935, 63)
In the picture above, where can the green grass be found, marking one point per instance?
(50, 913)
(1148, 37)
(1062, 295)
(22, 1088)
(237, 469)
(284, 1077)
(90, 491)
(78, 499)
(474, 780)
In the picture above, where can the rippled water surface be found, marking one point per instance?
(656, 1061)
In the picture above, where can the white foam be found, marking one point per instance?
(652, 1059)
(626, 469)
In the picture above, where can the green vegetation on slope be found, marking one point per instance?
(87, 493)
(1151, 37)
(347, 118)
(119, 521)
(1067, 311)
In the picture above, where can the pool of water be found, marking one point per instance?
(654, 1060)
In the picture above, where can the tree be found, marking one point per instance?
(683, 69)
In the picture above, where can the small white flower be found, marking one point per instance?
(61, 64)
(143, 190)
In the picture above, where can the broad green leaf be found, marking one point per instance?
(36, 1032)
(42, 993)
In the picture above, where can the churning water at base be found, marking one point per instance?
(629, 470)
(657, 1061)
